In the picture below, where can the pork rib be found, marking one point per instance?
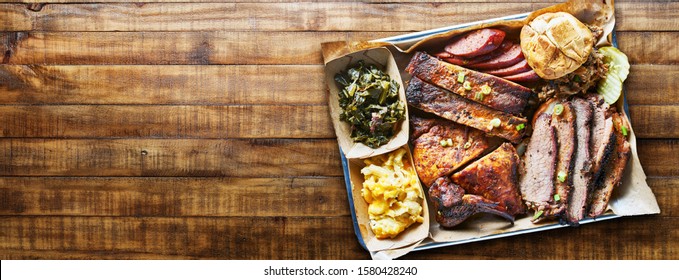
(450, 106)
(505, 96)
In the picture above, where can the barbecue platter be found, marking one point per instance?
(511, 125)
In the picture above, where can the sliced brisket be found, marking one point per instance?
(577, 200)
(611, 172)
(564, 124)
(537, 183)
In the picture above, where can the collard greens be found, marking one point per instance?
(370, 104)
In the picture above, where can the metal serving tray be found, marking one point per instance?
(403, 42)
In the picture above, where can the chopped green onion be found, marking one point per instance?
(623, 130)
(443, 143)
(557, 197)
(460, 77)
(449, 142)
(467, 145)
(479, 96)
(561, 176)
(558, 109)
(495, 122)
(485, 89)
(520, 127)
(466, 85)
(537, 214)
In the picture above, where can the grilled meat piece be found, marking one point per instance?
(603, 135)
(612, 172)
(577, 200)
(475, 43)
(453, 206)
(564, 125)
(539, 169)
(505, 96)
(440, 102)
(494, 177)
(420, 125)
(432, 159)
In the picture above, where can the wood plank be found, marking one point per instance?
(227, 85)
(144, 121)
(172, 158)
(242, 121)
(207, 197)
(167, 84)
(665, 190)
(650, 47)
(195, 237)
(350, 16)
(168, 48)
(201, 157)
(331, 16)
(652, 85)
(645, 237)
(655, 121)
(633, 238)
(659, 157)
(278, 1)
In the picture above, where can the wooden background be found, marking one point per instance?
(200, 130)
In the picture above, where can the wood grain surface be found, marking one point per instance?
(198, 129)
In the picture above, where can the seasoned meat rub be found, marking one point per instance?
(500, 94)
(453, 206)
(444, 146)
(603, 135)
(564, 124)
(612, 172)
(577, 200)
(494, 177)
(537, 183)
(450, 106)
(476, 42)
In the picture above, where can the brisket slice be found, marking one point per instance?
(494, 177)
(564, 124)
(450, 106)
(506, 96)
(577, 200)
(612, 172)
(603, 135)
(433, 160)
(537, 182)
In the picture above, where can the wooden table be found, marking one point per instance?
(200, 130)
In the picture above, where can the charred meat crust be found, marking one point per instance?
(450, 106)
(612, 172)
(537, 183)
(494, 177)
(564, 124)
(453, 206)
(433, 160)
(506, 96)
(577, 200)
